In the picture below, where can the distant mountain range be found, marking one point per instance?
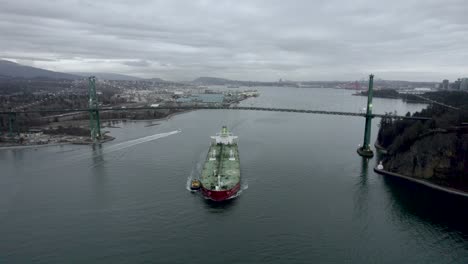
(222, 81)
(12, 69)
(9, 69)
(156, 80)
(109, 76)
(386, 84)
(116, 76)
(213, 81)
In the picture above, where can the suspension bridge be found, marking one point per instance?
(95, 123)
(201, 107)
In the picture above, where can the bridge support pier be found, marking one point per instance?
(94, 120)
(365, 150)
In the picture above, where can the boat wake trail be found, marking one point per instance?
(131, 143)
(102, 150)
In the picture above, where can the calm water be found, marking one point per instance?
(307, 196)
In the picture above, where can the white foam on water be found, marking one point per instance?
(104, 149)
(134, 142)
(244, 186)
(187, 185)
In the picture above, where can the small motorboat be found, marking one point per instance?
(195, 185)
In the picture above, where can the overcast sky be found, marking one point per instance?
(266, 40)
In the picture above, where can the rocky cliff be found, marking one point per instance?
(440, 157)
(435, 150)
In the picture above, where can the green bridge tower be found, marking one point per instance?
(94, 121)
(365, 150)
(11, 123)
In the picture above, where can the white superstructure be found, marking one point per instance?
(224, 137)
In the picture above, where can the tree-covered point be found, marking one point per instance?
(70, 130)
(455, 98)
(387, 93)
(434, 150)
(398, 135)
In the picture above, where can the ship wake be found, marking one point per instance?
(134, 142)
(103, 150)
(244, 186)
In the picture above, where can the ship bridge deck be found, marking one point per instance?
(219, 161)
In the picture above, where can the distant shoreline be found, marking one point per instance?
(424, 182)
(32, 146)
(168, 117)
(415, 180)
(404, 98)
(150, 119)
(380, 148)
(109, 138)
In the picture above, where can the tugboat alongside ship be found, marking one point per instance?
(220, 177)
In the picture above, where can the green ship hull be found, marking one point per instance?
(220, 178)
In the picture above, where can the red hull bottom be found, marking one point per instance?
(220, 195)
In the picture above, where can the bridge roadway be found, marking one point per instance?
(321, 112)
(439, 103)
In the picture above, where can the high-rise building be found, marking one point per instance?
(464, 84)
(456, 85)
(445, 84)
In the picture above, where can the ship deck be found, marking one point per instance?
(229, 170)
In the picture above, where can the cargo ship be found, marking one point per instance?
(220, 178)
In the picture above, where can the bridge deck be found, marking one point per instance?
(321, 112)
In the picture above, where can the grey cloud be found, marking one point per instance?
(138, 63)
(258, 40)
